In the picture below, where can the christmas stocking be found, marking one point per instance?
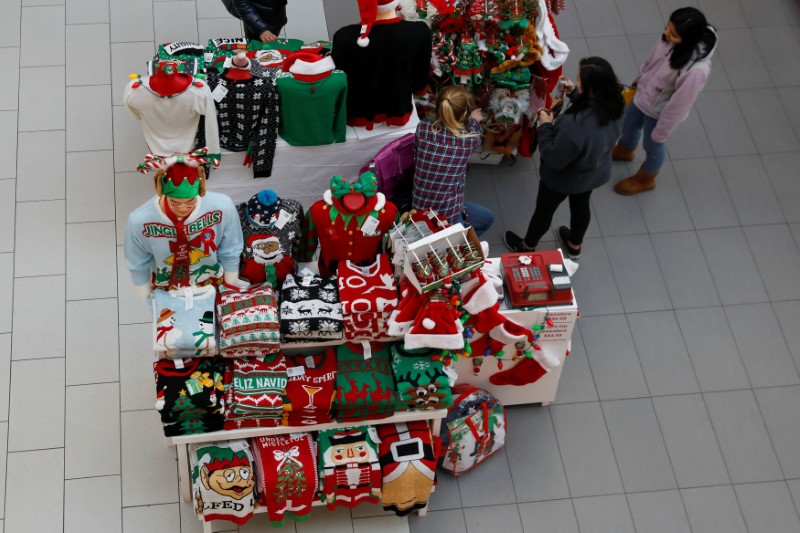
(526, 371)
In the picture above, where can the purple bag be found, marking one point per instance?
(394, 166)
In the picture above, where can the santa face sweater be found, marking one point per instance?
(170, 123)
(248, 118)
(383, 76)
(223, 480)
(213, 231)
(272, 236)
(313, 112)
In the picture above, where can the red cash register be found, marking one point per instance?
(536, 279)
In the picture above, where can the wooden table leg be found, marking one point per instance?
(184, 476)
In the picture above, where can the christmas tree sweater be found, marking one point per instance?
(170, 123)
(364, 382)
(184, 322)
(272, 236)
(408, 465)
(213, 231)
(248, 321)
(287, 475)
(310, 390)
(310, 309)
(223, 481)
(189, 395)
(313, 112)
(421, 381)
(349, 466)
(248, 118)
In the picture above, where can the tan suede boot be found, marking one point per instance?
(639, 182)
(622, 153)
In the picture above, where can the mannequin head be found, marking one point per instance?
(169, 78)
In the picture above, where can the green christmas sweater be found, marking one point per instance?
(421, 382)
(364, 385)
(313, 112)
(189, 53)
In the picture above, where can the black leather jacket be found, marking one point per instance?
(259, 15)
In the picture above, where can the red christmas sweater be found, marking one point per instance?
(309, 395)
(368, 295)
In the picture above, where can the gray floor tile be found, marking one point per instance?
(9, 89)
(659, 512)
(782, 173)
(82, 68)
(87, 12)
(384, 524)
(689, 139)
(712, 349)
(36, 113)
(36, 421)
(517, 207)
(674, 252)
(718, 79)
(149, 468)
(91, 266)
(642, 41)
(212, 28)
(129, 145)
(705, 193)
(780, 408)
(750, 190)
(132, 308)
(92, 342)
(616, 50)
(596, 286)
(764, 13)
(491, 485)
(788, 314)
(768, 507)
(562, 218)
(7, 215)
(742, 436)
(175, 21)
(93, 504)
(41, 178)
(776, 45)
(555, 516)
(42, 35)
(6, 291)
(640, 282)
(127, 58)
(131, 191)
(24, 510)
(152, 518)
(794, 488)
(616, 214)
(690, 439)
(777, 260)
(370, 509)
(662, 353)
(576, 383)
(599, 17)
(538, 476)
(136, 371)
(713, 509)
(8, 142)
(4, 455)
(761, 343)
(446, 496)
(636, 15)
(211, 9)
(586, 449)
(724, 123)
(732, 266)
(612, 357)
(131, 21)
(37, 334)
(726, 14)
(10, 24)
(578, 49)
(744, 64)
(569, 26)
(337, 521)
(668, 6)
(257, 524)
(90, 171)
(92, 410)
(89, 131)
(5, 376)
(438, 522)
(498, 517)
(638, 445)
(26, 3)
(769, 126)
(602, 514)
(789, 96)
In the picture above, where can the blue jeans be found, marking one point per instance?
(480, 217)
(632, 125)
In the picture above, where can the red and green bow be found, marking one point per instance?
(366, 184)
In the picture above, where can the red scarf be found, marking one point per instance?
(162, 331)
(179, 277)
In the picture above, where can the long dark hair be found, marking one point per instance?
(600, 91)
(690, 24)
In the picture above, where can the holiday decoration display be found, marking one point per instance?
(310, 390)
(408, 464)
(189, 395)
(364, 383)
(222, 475)
(368, 295)
(349, 467)
(433, 261)
(310, 309)
(248, 321)
(184, 322)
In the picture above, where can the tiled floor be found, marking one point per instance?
(679, 407)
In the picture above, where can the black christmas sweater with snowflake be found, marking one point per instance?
(248, 118)
(310, 309)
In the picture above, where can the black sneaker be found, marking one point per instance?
(562, 235)
(515, 243)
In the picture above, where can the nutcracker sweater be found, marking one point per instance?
(170, 123)
(214, 233)
(349, 467)
(313, 112)
(248, 118)
(382, 76)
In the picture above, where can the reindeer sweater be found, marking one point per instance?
(365, 386)
(421, 382)
(214, 233)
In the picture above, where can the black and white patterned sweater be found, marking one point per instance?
(310, 309)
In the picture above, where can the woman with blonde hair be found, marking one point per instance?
(441, 151)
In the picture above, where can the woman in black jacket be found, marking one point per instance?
(575, 156)
(263, 19)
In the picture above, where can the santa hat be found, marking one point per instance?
(308, 66)
(436, 326)
(478, 294)
(368, 11)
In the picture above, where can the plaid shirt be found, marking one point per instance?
(441, 169)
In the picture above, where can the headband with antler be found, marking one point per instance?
(195, 158)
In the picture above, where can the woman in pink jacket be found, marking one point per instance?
(669, 80)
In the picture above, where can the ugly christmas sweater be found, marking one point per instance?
(382, 76)
(365, 385)
(310, 390)
(213, 231)
(248, 118)
(222, 480)
(272, 238)
(421, 381)
(189, 395)
(170, 123)
(349, 468)
(310, 309)
(313, 112)
(248, 321)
